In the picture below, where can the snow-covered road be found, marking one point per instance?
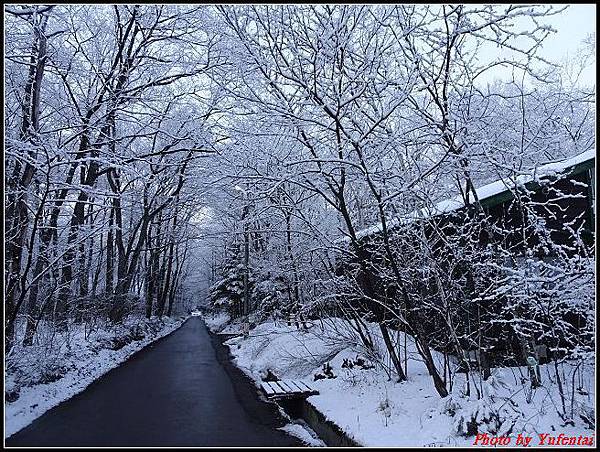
(174, 393)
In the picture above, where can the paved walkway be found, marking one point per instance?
(177, 392)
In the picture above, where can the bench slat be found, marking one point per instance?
(299, 386)
(282, 390)
(275, 387)
(308, 388)
(287, 389)
(267, 388)
(288, 386)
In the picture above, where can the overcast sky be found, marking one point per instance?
(572, 26)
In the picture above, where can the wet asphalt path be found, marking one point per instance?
(181, 391)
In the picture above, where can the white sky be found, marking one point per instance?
(572, 26)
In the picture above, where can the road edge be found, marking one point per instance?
(79, 385)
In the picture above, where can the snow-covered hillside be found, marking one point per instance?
(377, 411)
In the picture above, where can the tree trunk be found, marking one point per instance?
(392, 351)
(110, 256)
(16, 216)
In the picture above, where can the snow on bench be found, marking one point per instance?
(287, 389)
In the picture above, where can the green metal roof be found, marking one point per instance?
(507, 194)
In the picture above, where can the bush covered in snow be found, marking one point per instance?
(60, 365)
(53, 356)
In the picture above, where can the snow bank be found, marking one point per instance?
(304, 433)
(216, 321)
(376, 411)
(82, 361)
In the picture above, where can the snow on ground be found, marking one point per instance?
(376, 411)
(216, 321)
(303, 433)
(77, 361)
(220, 322)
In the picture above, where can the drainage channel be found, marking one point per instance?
(329, 432)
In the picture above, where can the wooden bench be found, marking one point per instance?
(287, 389)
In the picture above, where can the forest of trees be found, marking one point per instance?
(145, 142)
(104, 132)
